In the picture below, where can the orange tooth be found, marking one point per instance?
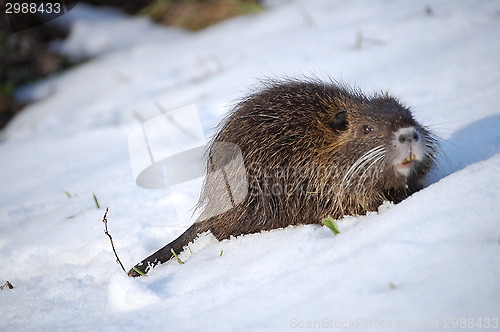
(410, 158)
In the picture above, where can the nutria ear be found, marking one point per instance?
(339, 123)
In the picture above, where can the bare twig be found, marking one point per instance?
(7, 284)
(105, 221)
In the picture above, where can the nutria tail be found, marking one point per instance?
(164, 254)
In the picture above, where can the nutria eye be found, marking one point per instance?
(367, 129)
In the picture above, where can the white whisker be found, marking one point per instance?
(374, 162)
(372, 156)
(361, 160)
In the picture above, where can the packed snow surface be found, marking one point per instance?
(431, 261)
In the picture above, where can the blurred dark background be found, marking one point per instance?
(24, 39)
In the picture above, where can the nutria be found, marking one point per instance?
(310, 150)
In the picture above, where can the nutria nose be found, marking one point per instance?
(408, 136)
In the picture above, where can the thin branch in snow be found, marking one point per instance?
(105, 221)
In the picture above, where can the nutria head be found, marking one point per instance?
(382, 144)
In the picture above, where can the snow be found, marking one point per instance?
(429, 259)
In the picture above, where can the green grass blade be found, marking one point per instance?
(330, 223)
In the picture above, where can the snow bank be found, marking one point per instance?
(435, 256)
